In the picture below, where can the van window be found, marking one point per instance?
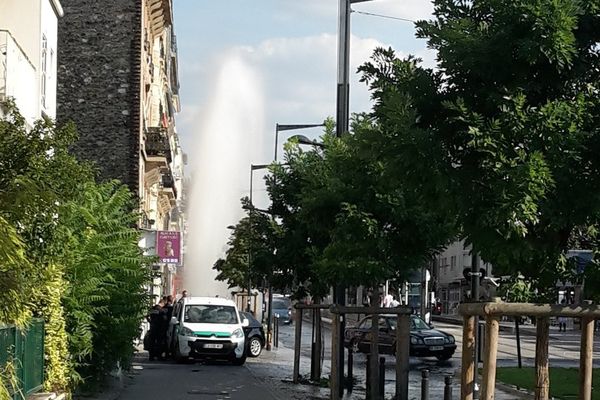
(210, 314)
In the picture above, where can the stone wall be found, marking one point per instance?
(99, 45)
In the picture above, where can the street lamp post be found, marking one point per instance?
(301, 139)
(253, 167)
(341, 127)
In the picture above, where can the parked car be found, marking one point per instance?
(255, 335)
(424, 340)
(207, 327)
(282, 308)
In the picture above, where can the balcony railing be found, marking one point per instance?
(168, 182)
(157, 143)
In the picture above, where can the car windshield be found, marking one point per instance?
(417, 324)
(210, 314)
(249, 317)
(281, 303)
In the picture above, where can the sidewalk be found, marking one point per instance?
(438, 371)
(508, 327)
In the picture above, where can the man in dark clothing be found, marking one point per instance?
(157, 317)
(169, 307)
(168, 310)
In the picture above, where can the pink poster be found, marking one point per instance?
(168, 246)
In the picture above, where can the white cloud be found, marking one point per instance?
(299, 77)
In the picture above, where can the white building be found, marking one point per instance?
(451, 287)
(28, 47)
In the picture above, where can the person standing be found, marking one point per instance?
(562, 321)
(155, 318)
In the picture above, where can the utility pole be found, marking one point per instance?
(248, 306)
(253, 167)
(341, 127)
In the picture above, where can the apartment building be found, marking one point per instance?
(118, 81)
(28, 48)
(449, 283)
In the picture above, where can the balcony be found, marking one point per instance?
(158, 149)
(167, 186)
(160, 14)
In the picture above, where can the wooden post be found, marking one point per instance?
(402, 356)
(468, 363)
(334, 380)
(318, 343)
(374, 350)
(488, 383)
(297, 345)
(586, 359)
(542, 377)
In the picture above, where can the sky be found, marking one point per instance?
(292, 45)
(245, 66)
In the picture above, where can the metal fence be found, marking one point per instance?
(25, 349)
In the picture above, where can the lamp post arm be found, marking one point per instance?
(290, 127)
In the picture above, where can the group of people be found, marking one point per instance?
(158, 317)
(388, 301)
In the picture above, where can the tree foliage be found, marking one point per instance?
(504, 134)
(106, 272)
(251, 251)
(69, 253)
(340, 218)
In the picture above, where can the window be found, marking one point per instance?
(417, 324)
(365, 324)
(44, 68)
(452, 263)
(209, 314)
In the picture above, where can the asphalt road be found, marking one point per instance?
(268, 377)
(169, 381)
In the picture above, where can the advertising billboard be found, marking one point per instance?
(168, 246)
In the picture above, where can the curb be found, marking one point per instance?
(47, 396)
(513, 390)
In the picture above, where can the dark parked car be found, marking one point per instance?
(282, 307)
(424, 340)
(255, 335)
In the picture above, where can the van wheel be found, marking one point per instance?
(239, 361)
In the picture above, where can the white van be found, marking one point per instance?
(207, 327)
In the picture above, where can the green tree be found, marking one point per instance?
(37, 177)
(504, 134)
(14, 271)
(345, 219)
(106, 297)
(251, 252)
(70, 251)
